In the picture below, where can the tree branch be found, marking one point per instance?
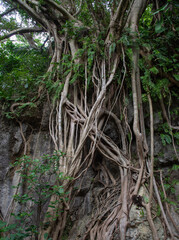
(21, 31)
(144, 53)
(79, 10)
(121, 8)
(31, 12)
(63, 11)
(117, 19)
(7, 11)
(29, 38)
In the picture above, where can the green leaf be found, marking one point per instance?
(175, 167)
(160, 9)
(165, 139)
(61, 175)
(61, 191)
(74, 78)
(168, 139)
(45, 235)
(2, 224)
(154, 70)
(159, 27)
(112, 48)
(176, 76)
(167, 186)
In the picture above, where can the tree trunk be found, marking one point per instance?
(89, 99)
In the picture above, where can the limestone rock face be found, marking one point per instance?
(82, 208)
(165, 155)
(139, 227)
(12, 147)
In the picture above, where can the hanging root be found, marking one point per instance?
(82, 111)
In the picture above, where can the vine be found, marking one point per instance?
(89, 82)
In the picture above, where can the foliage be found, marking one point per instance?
(21, 69)
(93, 54)
(169, 185)
(43, 180)
(157, 38)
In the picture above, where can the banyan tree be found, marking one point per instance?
(104, 70)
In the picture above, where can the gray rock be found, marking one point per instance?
(139, 227)
(163, 154)
(18, 141)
